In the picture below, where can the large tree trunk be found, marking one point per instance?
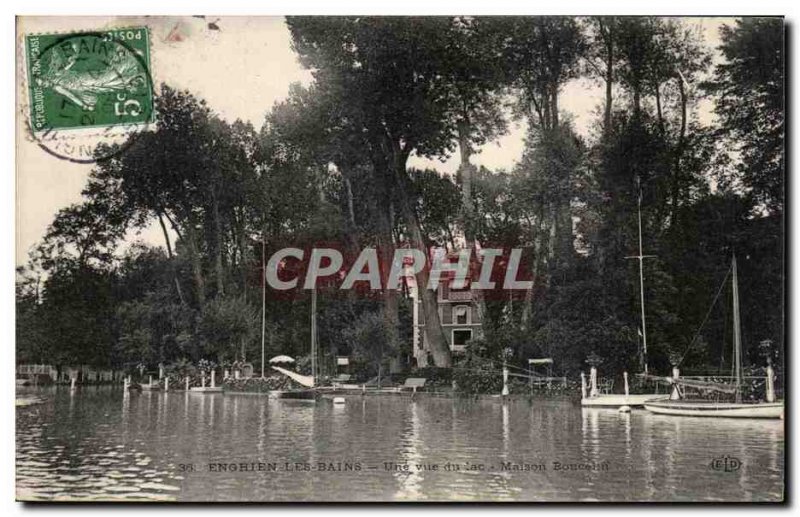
(166, 235)
(676, 174)
(437, 341)
(241, 237)
(351, 234)
(218, 243)
(197, 267)
(637, 101)
(466, 170)
(527, 310)
(554, 105)
(553, 232)
(170, 255)
(607, 33)
(385, 224)
(564, 235)
(659, 111)
(386, 255)
(351, 228)
(546, 109)
(561, 215)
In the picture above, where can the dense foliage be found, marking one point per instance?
(331, 164)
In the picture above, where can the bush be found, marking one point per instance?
(259, 385)
(436, 377)
(478, 375)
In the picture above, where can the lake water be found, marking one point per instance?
(101, 444)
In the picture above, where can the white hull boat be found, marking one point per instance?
(715, 409)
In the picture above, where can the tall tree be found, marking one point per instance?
(542, 54)
(386, 73)
(749, 90)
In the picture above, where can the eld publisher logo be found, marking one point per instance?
(726, 464)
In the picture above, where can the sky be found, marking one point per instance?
(241, 70)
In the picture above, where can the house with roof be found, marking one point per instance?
(458, 314)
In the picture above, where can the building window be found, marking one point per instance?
(461, 315)
(460, 337)
(463, 294)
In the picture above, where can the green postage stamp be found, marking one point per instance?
(89, 79)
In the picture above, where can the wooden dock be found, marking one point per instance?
(616, 401)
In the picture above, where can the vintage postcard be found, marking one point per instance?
(400, 259)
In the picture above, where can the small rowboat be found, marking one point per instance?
(293, 394)
(715, 409)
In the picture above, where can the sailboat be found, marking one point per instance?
(677, 405)
(309, 382)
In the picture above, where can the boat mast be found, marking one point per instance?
(314, 335)
(263, 300)
(641, 256)
(737, 335)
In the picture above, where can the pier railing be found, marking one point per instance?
(35, 369)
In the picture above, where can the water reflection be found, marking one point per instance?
(60, 457)
(106, 444)
(410, 481)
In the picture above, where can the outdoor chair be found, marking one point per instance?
(340, 379)
(412, 383)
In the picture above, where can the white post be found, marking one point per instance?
(150, 381)
(625, 376)
(593, 382)
(125, 384)
(203, 379)
(166, 383)
(236, 374)
(583, 385)
(416, 344)
(263, 299)
(675, 395)
(530, 377)
(160, 371)
(213, 372)
(187, 383)
(72, 383)
(770, 384)
(505, 379)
